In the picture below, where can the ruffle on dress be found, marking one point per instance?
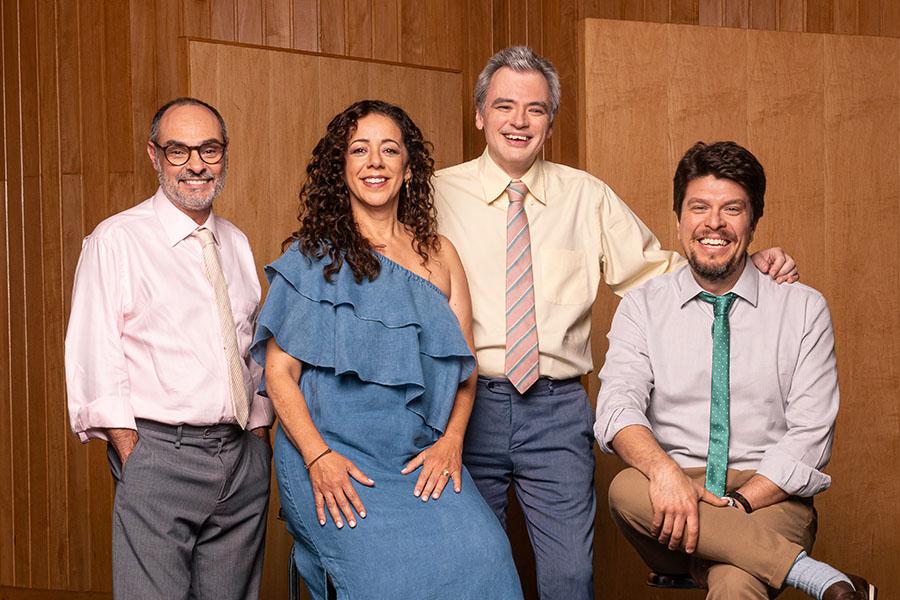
(373, 330)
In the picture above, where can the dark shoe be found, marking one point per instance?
(841, 591)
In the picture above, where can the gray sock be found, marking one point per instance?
(812, 576)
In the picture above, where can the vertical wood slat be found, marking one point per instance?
(30, 347)
(657, 11)
(890, 18)
(80, 538)
(278, 25)
(846, 16)
(168, 20)
(95, 506)
(249, 19)
(222, 21)
(7, 478)
(18, 372)
(305, 27)
(359, 28)
(869, 17)
(819, 16)
(684, 11)
(386, 29)
(196, 18)
(53, 301)
(791, 16)
(412, 31)
(712, 13)
(332, 25)
(764, 14)
(737, 13)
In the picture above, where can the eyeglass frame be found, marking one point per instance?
(191, 150)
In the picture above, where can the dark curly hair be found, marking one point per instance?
(327, 227)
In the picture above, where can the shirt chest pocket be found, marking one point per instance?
(563, 276)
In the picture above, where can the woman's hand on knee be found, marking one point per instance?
(332, 489)
(439, 463)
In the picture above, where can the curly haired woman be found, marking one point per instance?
(367, 346)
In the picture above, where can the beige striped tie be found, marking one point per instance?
(212, 268)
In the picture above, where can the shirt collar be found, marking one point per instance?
(175, 223)
(747, 286)
(494, 179)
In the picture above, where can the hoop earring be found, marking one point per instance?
(407, 188)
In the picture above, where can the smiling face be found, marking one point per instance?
(715, 228)
(376, 163)
(516, 119)
(193, 186)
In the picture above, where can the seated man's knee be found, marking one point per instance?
(727, 582)
(626, 488)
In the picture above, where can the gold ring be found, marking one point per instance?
(446, 472)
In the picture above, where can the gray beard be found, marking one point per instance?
(170, 189)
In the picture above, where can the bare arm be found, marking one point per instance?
(330, 475)
(673, 494)
(761, 492)
(446, 453)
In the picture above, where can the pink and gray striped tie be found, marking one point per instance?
(521, 327)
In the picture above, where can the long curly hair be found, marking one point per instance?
(327, 227)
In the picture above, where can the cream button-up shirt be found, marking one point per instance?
(581, 233)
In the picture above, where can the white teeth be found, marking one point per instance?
(518, 138)
(374, 180)
(713, 242)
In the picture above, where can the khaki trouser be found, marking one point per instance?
(751, 553)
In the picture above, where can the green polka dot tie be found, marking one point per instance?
(717, 454)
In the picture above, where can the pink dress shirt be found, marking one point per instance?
(143, 338)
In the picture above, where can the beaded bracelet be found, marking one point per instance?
(313, 461)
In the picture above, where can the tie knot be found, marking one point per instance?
(204, 235)
(721, 304)
(516, 191)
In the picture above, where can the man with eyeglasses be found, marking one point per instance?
(162, 317)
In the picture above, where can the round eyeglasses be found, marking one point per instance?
(179, 154)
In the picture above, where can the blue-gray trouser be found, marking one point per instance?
(542, 442)
(189, 517)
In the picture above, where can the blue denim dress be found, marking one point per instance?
(381, 364)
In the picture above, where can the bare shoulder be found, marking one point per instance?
(447, 254)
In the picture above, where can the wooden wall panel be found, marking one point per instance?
(823, 115)
(82, 78)
(862, 192)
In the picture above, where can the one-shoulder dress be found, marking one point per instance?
(381, 362)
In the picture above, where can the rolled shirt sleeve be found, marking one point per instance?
(794, 464)
(96, 370)
(630, 252)
(626, 379)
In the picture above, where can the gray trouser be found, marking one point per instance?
(189, 518)
(541, 443)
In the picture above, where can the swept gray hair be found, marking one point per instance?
(520, 59)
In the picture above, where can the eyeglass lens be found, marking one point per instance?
(179, 154)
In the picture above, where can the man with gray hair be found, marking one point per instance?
(162, 317)
(536, 239)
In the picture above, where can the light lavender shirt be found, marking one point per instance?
(784, 391)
